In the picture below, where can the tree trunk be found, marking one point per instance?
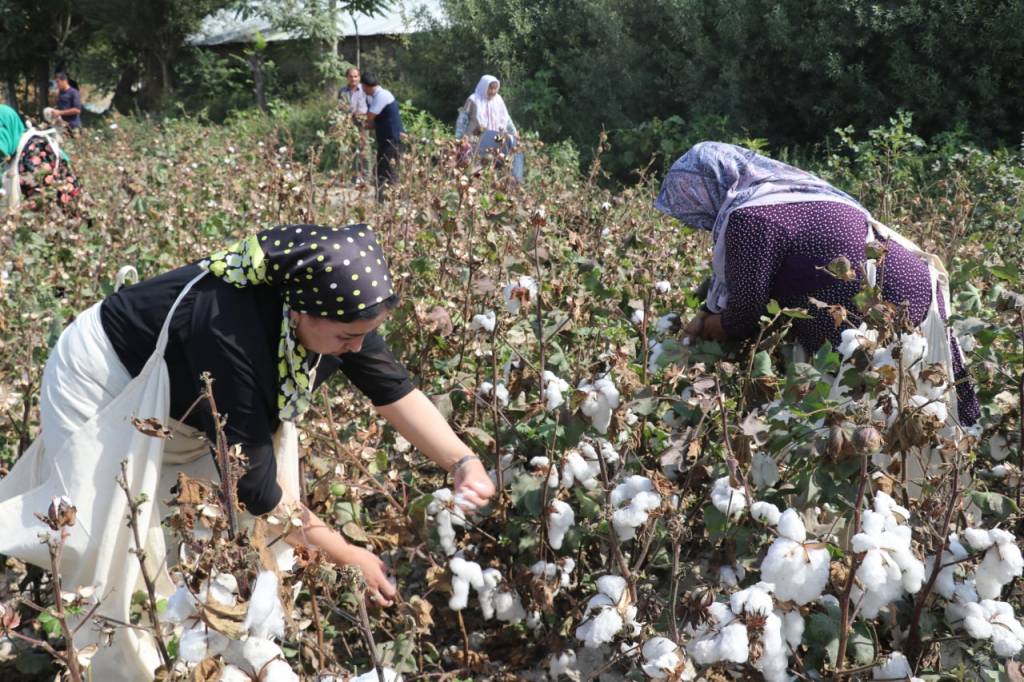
(42, 87)
(359, 49)
(332, 45)
(11, 92)
(258, 86)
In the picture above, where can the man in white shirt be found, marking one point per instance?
(352, 100)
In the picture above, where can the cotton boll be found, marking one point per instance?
(728, 500)
(733, 645)
(265, 616)
(258, 652)
(545, 463)
(602, 397)
(654, 353)
(180, 607)
(563, 663)
(600, 628)
(200, 642)
(484, 321)
(853, 339)
(793, 628)
(663, 286)
(508, 607)
(233, 673)
(514, 293)
(730, 576)
(666, 323)
(446, 516)
(764, 472)
(561, 518)
(637, 318)
(933, 408)
(464, 574)
(500, 392)
(576, 469)
(278, 670)
(912, 352)
(896, 667)
(612, 586)
(554, 388)
(765, 512)
(487, 590)
(945, 583)
(799, 573)
(792, 526)
(390, 675)
(223, 589)
(661, 658)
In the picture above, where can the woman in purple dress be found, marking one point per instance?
(775, 230)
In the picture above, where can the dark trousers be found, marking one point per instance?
(388, 155)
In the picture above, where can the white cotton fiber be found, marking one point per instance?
(728, 500)
(464, 574)
(200, 642)
(765, 512)
(265, 616)
(560, 519)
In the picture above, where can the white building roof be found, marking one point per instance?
(226, 26)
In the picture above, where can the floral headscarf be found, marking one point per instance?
(706, 184)
(324, 271)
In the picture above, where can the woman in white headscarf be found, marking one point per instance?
(485, 110)
(485, 116)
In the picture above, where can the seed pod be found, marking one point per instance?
(867, 440)
(838, 443)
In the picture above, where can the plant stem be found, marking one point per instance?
(844, 601)
(140, 554)
(228, 488)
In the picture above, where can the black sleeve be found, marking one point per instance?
(376, 372)
(221, 343)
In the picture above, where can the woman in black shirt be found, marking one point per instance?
(270, 318)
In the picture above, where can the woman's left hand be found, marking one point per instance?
(713, 329)
(473, 483)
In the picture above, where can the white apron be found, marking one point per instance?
(86, 408)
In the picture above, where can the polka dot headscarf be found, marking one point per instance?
(329, 272)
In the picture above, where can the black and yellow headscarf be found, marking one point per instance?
(330, 272)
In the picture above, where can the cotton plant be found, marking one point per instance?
(542, 464)
(633, 500)
(483, 322)
(799, 570)
(518, 292)
(560, 518)
(390, 675)
(499, 392)
(447, 515)
(852, 340)
(497, 600)
(663, 660)
(748, 629)
(1002, 561)
(764, 472)
(895, 667)
(600, 401)
(607, 613)
(582, 466)
(465, 574)
(889, 567)
(554, 391)
(563, 663)
(945, 583)
(663, 286)
(727, 499)
(994, 620)
(558, 574)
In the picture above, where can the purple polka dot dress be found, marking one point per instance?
(775, 252)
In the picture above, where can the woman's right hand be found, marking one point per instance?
(695, 327)
(379, 589)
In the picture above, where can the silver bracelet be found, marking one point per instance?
(462, 461)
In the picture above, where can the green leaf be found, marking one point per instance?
(773, 308)
(1009, 273)
(998, 505)
(762, 366)
(797, 314)
(527, 495)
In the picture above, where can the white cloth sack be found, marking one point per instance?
(11, 179)
(86, 406)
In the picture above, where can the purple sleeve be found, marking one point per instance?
(754, 251)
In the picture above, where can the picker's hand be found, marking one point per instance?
(379, 590)
(472, 484)
(694, 329)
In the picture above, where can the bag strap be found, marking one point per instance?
(161, 341)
